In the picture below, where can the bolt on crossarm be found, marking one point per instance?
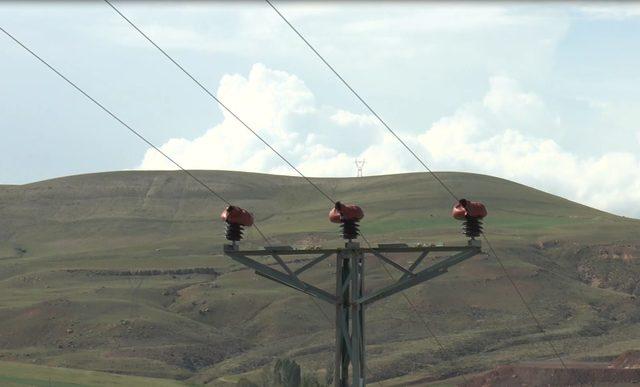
(350, 298)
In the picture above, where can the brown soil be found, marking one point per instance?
(576, 374)
(628, 360)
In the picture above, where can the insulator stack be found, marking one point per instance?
(234, 232)
(350, 229)
(471, 213)
(472, 227)
(237, 219)
(348, 216)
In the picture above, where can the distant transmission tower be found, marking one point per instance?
(359, 165)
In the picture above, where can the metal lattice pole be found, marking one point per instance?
(357, 316)
(343, 358)
(350, 299)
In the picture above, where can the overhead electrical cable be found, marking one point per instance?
(521, 296)
(216, 99)
(413, 307)
(265, 142)
(131, 129)
(435, 176)
(135, 132)
(210, 94)
(140, 136)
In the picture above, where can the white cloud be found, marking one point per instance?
(461, 141)
(343, 32)
(505, 96)
(477, 138)
(346, 118)
(266, 101)
(615, 11)
(279, 107)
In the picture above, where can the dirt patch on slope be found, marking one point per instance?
(610, 266)
(576, 374)
(506, 376)
(147, 272)
(629, 359)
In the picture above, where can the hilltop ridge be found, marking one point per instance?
(122, 272)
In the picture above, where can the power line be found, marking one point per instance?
(109, 112)
(413, 307)
(114, 116)
(517, 289)
(132, 130)
(216, 99)
(269, 145)
(435, 176)
(210, 94)
(140, 136)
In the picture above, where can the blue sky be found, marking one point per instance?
(547, 95)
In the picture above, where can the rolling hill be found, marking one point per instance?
(122, 272)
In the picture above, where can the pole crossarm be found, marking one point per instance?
(415, 264)
(313, 263)
(424, 275)
(393, 264)
(284, 265)
(288, 279)
(408, 279)
(383, 248)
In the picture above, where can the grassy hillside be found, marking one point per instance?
(18, 374)
(91, 276)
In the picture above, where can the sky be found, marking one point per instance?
(547, 95)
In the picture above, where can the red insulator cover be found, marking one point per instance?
(342, 212)
(465, 208)
(237, 215)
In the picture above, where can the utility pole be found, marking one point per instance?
(359, 166)
(349, 299)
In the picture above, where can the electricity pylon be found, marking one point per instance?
(349, 297)
(359, 166)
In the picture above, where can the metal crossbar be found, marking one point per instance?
(415, 264)
(424, 275)
(392, 248)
